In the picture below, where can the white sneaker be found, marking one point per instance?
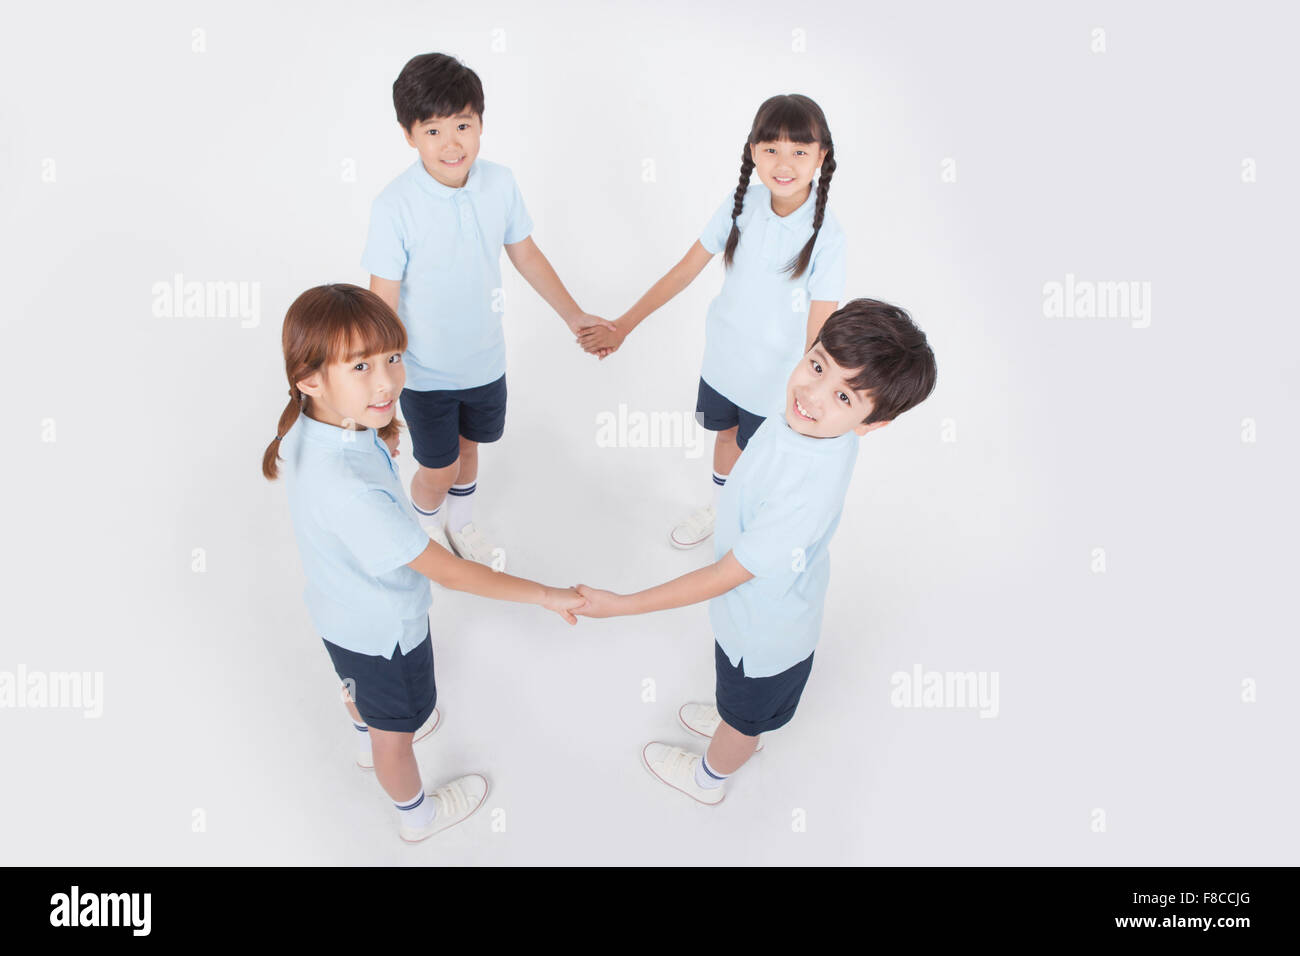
(456, 801)
(703, 719)
(470, 544)
(367, 762)
(438, 534)
(676, 767)
(694, 530)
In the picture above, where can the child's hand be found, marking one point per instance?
(564, 601)
(601, 340)
(586, 323)
(599, 603)
(584, 320)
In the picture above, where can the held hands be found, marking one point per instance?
(586, 325)
(564, 601)
(599, 603)
(589, 602)
(601, 340)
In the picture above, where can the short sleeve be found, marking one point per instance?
(715, 234)
(385, 253)
(778, 538)
(381, 535)
(829, 270)
(519, 225)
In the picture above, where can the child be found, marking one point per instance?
(366, 558)
(433, 254)
(868, 365)
(785, 272)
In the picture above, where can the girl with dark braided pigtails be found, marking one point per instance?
(784, 259)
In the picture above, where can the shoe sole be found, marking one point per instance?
(650, 770)
(415, 740)
(686, 547)
(487, 788)
(699, 733)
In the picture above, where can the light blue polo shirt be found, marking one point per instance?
(777, 513)
(756, 327)
(356, 532)
(444, 245)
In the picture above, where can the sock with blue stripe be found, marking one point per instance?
(364, 749)
(419, 811)
(429, 520)
(460, 505)
(708, 778)
(719, 481)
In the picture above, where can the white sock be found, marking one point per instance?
(364, 735)
(429, 520)
(419, 811)
(719, 482)
(460, 505)
(706, 777)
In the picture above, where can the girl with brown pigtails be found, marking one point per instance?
(784, 257)
(367, 560)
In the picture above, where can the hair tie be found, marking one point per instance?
(276, 439)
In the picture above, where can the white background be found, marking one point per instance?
(1119, 691)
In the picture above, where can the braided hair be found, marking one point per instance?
(797, 118)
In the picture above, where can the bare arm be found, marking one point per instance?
(691, 588)
(541, 275)
(456, 574)
(674, 281)
(818, 313)
(390, 290)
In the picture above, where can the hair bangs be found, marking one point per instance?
(360, 325)
(785, 118)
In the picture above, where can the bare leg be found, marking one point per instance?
(468, 464)
(729, 749)
(725, 451)
(352, 709)
(395, 764)
(429, 486)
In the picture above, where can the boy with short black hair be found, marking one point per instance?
(776, 516)
(433, 253)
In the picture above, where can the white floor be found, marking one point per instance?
(1116, 691)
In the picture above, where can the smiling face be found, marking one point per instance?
(448, 145)
(820, 402)
(357, 391)
(787, 169)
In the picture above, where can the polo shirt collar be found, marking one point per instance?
(363, 440)
(799, 217)
(807, 443)
(473, 181)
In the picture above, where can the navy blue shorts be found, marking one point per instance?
(717, 413)
(438, 420)
(397, 694)
(754, 705)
